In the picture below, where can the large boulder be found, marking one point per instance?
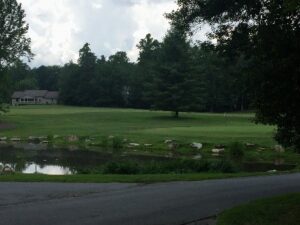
(15, 139)
(72, 138)
(7, 170)
(3, 138)
(132, 145)
(197, 157)
(173, 146)
(42, 138)
(279, 149)
(250, 145)
(168, 141)
(197, 145)
(33, 139)
(148, 145)
(218, 150)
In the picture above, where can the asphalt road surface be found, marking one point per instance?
(174, 203)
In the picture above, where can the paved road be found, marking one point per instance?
(132, 204)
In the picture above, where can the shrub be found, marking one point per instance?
(172, 166)
(236, 150)
(50, 138)
(117, 143)
(224, 166)
(104, 142)
(121, 168)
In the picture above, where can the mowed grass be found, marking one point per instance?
(142, 126)
(139, 178)
(283, 210)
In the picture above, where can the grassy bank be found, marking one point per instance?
(141, 126)
(283, 210)
(95, 178)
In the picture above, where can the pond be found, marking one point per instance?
(265, 166)
(38, 158)
(32, 158)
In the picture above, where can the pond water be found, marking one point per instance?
(265, 166)
(38, 158)
(31, 168)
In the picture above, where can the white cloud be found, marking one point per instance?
(59, 28)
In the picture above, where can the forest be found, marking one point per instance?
(175, 74)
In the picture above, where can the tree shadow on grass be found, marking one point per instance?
(173, 118)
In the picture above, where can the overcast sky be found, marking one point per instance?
(59, 28)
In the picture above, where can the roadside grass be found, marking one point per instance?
(283, 210)
(141, 126)
(100, 178)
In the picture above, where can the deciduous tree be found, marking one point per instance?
(267, 33)
(13, 40)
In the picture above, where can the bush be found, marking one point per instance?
(172, 166)
(117, 143)
(224, 166)
(121, 168)
(104, 142)
(236, 150)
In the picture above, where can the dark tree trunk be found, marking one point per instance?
(176, 115)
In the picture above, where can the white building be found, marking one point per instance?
(34, 97)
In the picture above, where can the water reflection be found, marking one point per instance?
(36, 158)
(49, 169)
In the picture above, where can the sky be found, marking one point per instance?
(59, 28)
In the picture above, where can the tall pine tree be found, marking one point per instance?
(176, 86)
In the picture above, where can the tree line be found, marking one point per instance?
(176, 75)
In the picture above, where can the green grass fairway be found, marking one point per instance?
(284, 210)
(140, 126)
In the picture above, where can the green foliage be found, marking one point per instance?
(224, 166)
(47, 77)
(236, 150)
(96, 82)
(4, 92)
(174, 75)
(50, 138)
(104, 142)
(121, 168)
(26, 84)
(117, 143)
(199, 81)
(171, 166)
(176, 87)
(13, 42)
(13, 28)
(141, 83)
(261, 39)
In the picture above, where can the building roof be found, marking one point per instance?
(18, 94)
(52, 94)
(35, 94)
